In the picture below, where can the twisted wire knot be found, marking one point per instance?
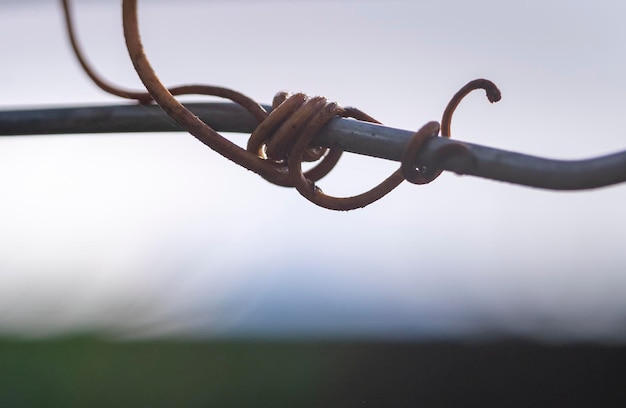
(275, 137)
(285, 137)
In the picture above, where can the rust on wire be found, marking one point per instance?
(297, 128)
(283, 138)
(430, 130)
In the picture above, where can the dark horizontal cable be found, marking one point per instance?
(222, 116)
(350, 135)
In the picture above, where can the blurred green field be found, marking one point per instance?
(87, 372)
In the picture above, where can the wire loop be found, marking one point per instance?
(408, 166)
(426, 174)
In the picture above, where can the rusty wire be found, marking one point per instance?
(282, 139)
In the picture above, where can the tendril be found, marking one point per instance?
(283, 138)
(493, 95)
(425, 174)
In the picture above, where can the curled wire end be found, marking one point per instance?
(493, 95)
(422, 174)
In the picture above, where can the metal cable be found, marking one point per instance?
(300, 128)
(350, 135)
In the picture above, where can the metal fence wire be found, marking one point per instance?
(297, 128)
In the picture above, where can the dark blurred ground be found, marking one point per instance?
(84, 372)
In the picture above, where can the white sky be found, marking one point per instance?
(156, 233)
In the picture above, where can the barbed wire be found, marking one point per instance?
(298, 128)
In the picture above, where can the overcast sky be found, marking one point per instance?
(155, 233)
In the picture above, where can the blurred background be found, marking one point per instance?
(154, 237)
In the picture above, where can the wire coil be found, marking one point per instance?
(281, 142)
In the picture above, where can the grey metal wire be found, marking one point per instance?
(350, 135)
